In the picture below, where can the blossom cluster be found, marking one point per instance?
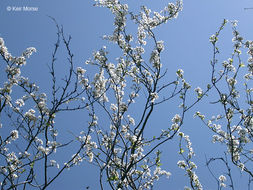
(188, 165)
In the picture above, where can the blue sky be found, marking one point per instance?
(186, 46)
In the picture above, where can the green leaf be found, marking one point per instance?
(181, 151)
(32, 164)
(241, 65)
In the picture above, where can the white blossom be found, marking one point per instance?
(54, 164)
(222, 178)
(176, 119)
(14, 135)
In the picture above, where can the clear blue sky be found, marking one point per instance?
(186, 46)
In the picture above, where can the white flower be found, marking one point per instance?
(231, 81)
(241, 166)
(133, 138)
(30, 114)
(20, 60)
(155, 59)
(80, 71)
(222, 178)
(222, 184)
(199, 91)
(180, 73)
(44, 150)
(213, 39)
(181, 164)
(100, 86)
(176, 119)
(39, 141)
(77, 159)
(20, 102)
(154, 96)
(234, 23)
(54, 163)
(85, 82)
(28, 52)
(14, 135)
(160, 46)
(131, 120)
(1, 42)
(91, 156)
(114, 107)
